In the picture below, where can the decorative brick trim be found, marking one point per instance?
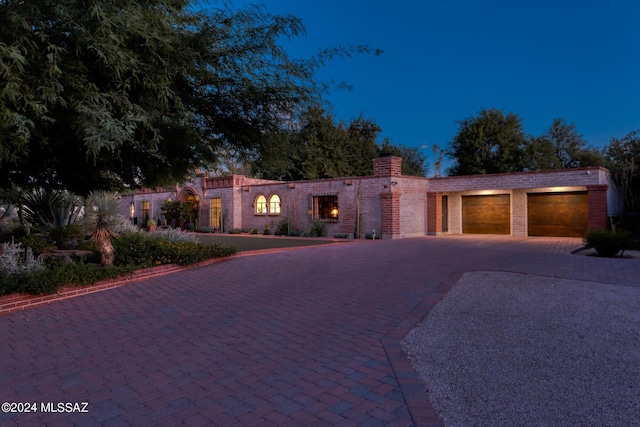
(20, 301)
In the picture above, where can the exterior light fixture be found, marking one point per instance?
(334, 212)
(132, 210)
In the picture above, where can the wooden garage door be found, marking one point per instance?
(486, 214)
(558, 214)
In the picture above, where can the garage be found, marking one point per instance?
(486, 214)
(558, 214)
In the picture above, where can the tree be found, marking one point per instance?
(562, 147)
(623, 160)
(491, 142)
(315, 146)
(104, 94)
(413, 161)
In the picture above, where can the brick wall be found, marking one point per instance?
(597, 199)
(387, 166)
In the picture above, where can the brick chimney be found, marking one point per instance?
(387, 166)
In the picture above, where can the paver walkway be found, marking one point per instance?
(304, 337)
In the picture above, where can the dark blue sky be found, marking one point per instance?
(445, 60)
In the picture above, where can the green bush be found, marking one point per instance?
(316, 228)
(139, 250)
(58, 274)
(282, 229)
(607, 243)
(37, 243)
(341, 236)
(67, 236)
(235, 231)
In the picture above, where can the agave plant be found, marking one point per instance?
(51, 209)
(101, 210)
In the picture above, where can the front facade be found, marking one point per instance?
(546, 203)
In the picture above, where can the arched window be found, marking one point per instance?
(274, 205)
(261, 205)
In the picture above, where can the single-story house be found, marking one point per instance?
(564, 202)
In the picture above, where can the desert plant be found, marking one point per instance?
(316, 228)
(49, 209)
(16, 259)
(607, 243)
(101, 211)
(66, 237)
(174, 235)
(282, 229)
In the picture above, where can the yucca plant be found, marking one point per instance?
(101, 210)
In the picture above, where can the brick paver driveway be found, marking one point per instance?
(304, 337)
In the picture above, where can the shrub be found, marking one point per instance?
(57, 274)
(16, 260)
(282, 229)
(607, 243)
(254, 231)
(317, 228)
(173, 235)
(206, 229)
(145, 250)
(341, 236)
(235, 231)
(37, 243)
(66, 237)
(370, 236)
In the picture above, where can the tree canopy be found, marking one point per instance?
(495, 142)
(101, 94)
(317, 147)
(623, 160)
(491, 142)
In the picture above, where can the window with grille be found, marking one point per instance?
(216, 213)
(274, 205)
(261, 205)
(325, 207)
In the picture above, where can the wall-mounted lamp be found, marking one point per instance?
(334, 213)
(394, 182)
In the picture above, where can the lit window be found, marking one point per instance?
(261, 205)
(325, 208)
(216, 213)
(274, 204)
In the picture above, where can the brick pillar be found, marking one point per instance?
(387, 166)
(390, 214)
(597, 200)
(434, 213)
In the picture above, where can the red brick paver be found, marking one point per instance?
(305, 337)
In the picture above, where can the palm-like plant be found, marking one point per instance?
(101, 209)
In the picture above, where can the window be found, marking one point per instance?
(216, 213)
(325, 208)
(261, 205)
(274, 205)
(145, 212)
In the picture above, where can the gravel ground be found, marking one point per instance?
(507, 349)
